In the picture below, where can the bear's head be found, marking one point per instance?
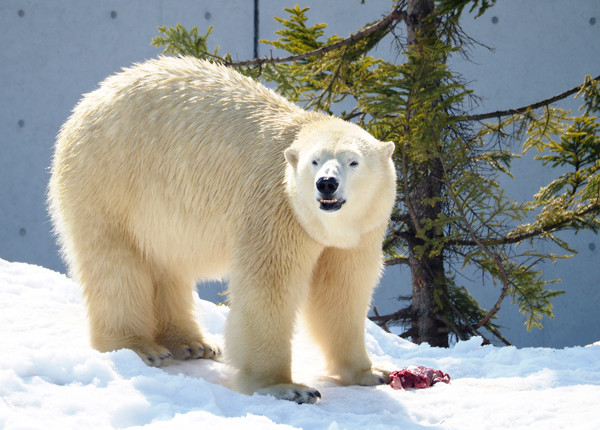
(341, 181)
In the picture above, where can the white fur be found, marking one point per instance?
(174, 171)
(367, 188)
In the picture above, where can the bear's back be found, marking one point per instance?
(175, 149)
(179, 121)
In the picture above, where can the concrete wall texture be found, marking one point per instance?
(54, 51)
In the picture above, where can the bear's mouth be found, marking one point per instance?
(331, 205)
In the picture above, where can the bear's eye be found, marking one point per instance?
(353, 163)
(315, 163)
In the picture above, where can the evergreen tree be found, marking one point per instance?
(450, 211)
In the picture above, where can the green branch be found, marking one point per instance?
(524, 109)
(518, 238)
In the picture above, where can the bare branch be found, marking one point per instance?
(383, 324)
(402, 314)
(474, 329)
(515, 111)
(388, 21)
(395, 261)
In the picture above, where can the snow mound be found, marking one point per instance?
(50, 376)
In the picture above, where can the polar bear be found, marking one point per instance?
(178, 170)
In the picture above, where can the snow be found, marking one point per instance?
(51, 378)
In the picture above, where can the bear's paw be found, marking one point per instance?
(371, 376)
(188, 346)
(295, 392)
(153, 354)
(193, 350)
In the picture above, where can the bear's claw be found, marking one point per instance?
(196, 351)
(212, 352)
(155, 358)
(374, 376)
(185, 345)
(371, 376)
(294, 392)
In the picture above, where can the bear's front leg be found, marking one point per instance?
(337, 306)
(266, 291)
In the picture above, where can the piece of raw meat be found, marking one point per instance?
(417, 377)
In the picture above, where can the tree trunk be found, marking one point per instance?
(427, 271)
(418, 11)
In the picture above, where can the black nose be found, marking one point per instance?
(327, 185)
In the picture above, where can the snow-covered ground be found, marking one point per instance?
(51, 378)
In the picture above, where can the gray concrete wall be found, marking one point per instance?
(54, 51)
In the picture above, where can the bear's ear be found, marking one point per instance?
(388, 149)
(291, 156)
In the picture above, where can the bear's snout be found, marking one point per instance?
(327, 185)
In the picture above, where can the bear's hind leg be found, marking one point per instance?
(176, 327)
(119, 293)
